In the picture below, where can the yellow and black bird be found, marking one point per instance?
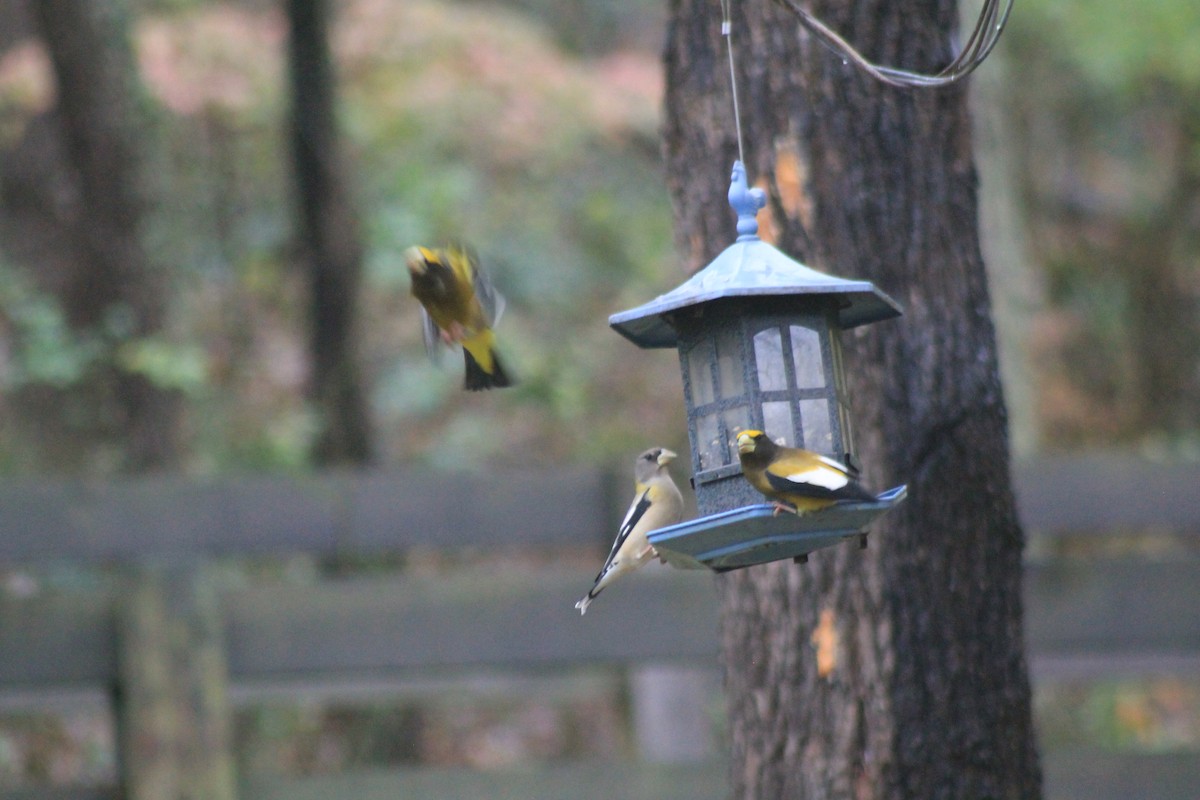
(656, 504)
(797, 480)
(459, 305)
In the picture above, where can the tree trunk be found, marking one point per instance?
(331, 237)
(897, 671)
(113, 277)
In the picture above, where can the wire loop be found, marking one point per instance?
(989, 26)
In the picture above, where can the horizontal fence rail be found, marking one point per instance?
(329, 514)
(372, 512)
(1086, 618)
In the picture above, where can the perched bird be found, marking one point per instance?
(656, 504)
(459, 305)
(797, 480)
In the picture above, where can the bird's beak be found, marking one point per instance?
(665, 457)
(745, 443)
(414, 258)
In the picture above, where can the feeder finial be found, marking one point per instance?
(745, 202)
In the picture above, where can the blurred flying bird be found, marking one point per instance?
(656, 504)
(797, 480)
(459, 305)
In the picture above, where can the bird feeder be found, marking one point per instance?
(758, 336)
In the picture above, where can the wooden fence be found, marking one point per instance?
(173, 649)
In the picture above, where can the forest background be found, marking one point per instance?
(530, 128)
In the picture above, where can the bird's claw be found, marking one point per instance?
(785, 507)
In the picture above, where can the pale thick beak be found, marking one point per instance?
(745, 443)
(665, 457)
(415, 260)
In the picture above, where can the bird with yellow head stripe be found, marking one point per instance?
(459, 305)
(797, 480)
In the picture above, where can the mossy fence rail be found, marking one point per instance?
(1112, 593)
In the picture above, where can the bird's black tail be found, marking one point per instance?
(478, 378)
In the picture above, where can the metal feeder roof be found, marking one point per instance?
(751, 268)
(756, 534)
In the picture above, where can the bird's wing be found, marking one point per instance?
(471, 275)
(637, 509)
(820, 478)
(851, 472)
(666, 504)
(490, 299)
(431, 336)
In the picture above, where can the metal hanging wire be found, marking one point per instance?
(727, 32)
(992, 19)
(993, 16)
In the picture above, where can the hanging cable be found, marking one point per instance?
(727, 32)
(989, 26)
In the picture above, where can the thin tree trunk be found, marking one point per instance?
(330, 234)
(897, 671)
(88, 42)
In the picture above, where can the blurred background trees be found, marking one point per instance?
(469, 122)
(109, 291)
(531, 130)
(155, 288)
(1108, 132)
(330, 238)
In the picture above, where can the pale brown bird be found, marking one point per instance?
(656, 504)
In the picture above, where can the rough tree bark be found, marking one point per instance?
(897, 671)
(330, 234)
(89, 47)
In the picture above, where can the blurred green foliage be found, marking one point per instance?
(1149, 714)
(1120, 47)
(462, 122)
(40, 347)
(530, 129)
(1104, 102)
(43, 349)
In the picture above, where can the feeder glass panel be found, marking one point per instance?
(708, 435)
(731, 381)
(843, 405)
(736, 420)
(718, 395)
(716, 433)
(700, 371)
(768, 357)
(806, 357)
(777, 418)
(818, 434)
(796, 390)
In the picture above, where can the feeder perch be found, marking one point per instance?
(758, 336)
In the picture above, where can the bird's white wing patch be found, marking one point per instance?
(637, 509)
(641, 501)
(839, 466)
(823, 476)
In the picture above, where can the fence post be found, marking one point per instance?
(173, 715)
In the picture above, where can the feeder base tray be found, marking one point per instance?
(755, 534)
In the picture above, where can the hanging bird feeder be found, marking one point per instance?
(758, 336)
